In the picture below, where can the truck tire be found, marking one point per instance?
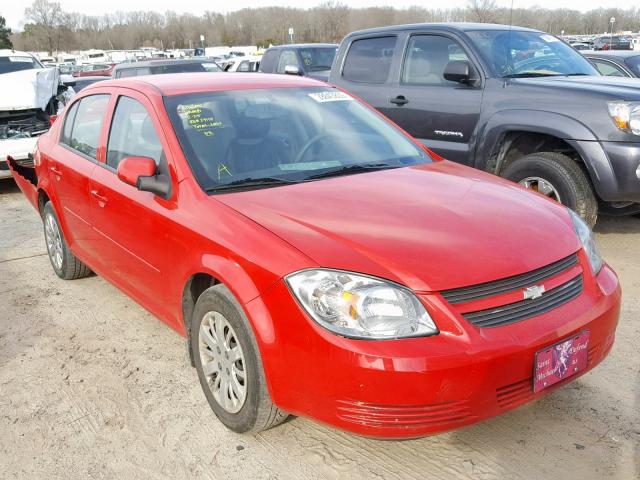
(229, 365)
(64, 263)
(558, 177)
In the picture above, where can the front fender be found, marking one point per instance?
(534, 121)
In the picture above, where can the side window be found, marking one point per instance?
(132, 133)
(287, 57)
(244, 66)
(426, 58)
(369, 60)
(608, 69)
(68, 124)
(85, 133)
(269, 61)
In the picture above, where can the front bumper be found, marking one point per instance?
(421, 386)
(614, 168)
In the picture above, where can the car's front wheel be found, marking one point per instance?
(229, 364)
(64, 263)
(559, 178)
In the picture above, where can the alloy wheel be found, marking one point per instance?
(53, 238)
(542, 186)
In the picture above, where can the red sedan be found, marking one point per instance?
(318, 260)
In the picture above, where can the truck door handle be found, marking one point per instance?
(55, 171)
(399, 100)
(102, 199)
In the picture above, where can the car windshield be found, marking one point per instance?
(15, 63)
(256, 138)
(512, 54)
(318, 58)
(634, 64)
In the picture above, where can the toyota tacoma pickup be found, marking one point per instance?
(512, 101)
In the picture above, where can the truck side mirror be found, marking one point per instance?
(458, 71)
(292, 70)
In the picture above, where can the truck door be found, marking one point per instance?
(443, 115)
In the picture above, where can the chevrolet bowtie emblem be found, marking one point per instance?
(531, 293)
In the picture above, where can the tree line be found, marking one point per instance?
(47, 27)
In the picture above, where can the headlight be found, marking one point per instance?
(588, 242)
(357, 306)
(626, 116)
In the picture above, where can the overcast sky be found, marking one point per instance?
(13, 10)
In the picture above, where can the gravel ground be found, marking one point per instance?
(92, 386)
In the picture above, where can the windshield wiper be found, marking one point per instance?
(575, 74)
(530, 74)
(250, 182)
(357, 168)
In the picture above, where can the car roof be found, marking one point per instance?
(613, 53)
(452, 26)
(304, 45)
(179, 83)
(162, 62)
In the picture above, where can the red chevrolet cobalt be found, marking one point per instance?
(318, 260)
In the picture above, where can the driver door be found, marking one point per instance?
(443, 115)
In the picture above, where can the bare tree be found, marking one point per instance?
(482, 10)
(47, 17)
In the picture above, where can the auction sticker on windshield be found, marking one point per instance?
(330, 97)
(560, 361)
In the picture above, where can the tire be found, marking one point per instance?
(564, 175)
(254, 411)
(64, 263)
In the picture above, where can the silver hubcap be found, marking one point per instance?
(223, 362)
(54, 240)
(542, 186)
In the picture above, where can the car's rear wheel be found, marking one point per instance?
(559, 178)
(229, 364)
(64, 263)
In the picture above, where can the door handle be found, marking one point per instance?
(56, 171)
(399, 100)
(101, 198)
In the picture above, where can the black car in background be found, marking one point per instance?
(616, 63)
(309, 59)
(157, 67)
(512, 101)
(612, 42)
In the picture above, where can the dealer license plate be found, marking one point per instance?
(561, 360)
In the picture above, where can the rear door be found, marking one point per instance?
(71, 162)
(134, 228)
(269, 61)
(441, 114)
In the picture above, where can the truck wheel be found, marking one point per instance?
(64, 263)
(229, 365)
(558, 177)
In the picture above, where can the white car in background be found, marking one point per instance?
(243, 64)
(29, 95)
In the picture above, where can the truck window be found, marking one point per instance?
(287, 58)
(268, 62)
(426, 58)
(369, 60)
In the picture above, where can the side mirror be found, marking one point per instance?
(292, 70)
(458, 71)
(132, 170)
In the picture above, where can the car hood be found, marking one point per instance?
(431, 227)
(322, 75)
(618, 88)
(28, 89)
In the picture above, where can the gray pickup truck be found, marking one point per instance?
(517, 102)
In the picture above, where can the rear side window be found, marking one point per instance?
(87, 124)
(268, 63)
(132, 133)
(369, 60)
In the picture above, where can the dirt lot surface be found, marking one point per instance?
(92, 386)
